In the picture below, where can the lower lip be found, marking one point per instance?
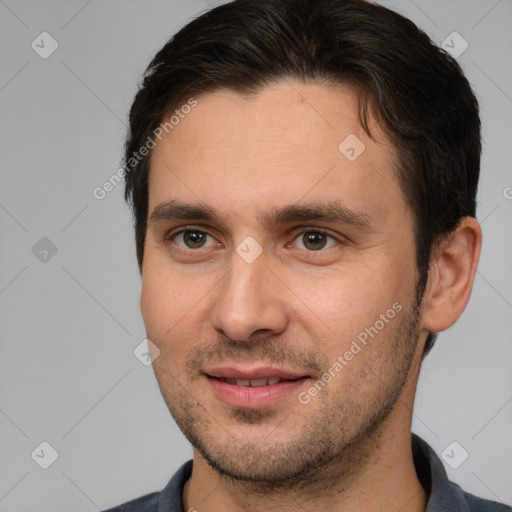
(247, 397)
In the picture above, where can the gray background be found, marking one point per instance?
(70, 323)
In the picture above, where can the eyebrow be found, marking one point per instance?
(329, 212)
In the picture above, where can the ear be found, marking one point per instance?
(452, 272)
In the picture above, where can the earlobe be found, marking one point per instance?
(452, 272)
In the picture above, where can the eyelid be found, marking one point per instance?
(183, 229)
(296, 233)
(313, 229)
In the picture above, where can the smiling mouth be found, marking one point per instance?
(251, 387)
(259, 388)
(256, 383)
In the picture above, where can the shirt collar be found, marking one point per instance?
(443, 495)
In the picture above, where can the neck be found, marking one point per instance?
(375, 473)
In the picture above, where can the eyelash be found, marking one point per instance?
(170, 237)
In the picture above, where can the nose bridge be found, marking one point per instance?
(248, 300)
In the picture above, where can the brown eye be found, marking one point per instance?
(315, 240)
(194, 239)
(191, 239)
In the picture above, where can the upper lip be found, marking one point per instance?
(260, 372)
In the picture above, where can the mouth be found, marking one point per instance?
(256, 388)
(254, 383)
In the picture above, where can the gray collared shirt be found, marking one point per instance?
(444, 496)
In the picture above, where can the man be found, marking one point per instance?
(303, 186)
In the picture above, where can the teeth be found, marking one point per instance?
(258, 382)
(255, 383)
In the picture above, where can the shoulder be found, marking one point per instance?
(445, 495)
(168, 500)
(147, 503)
(476, 504)
(454, 498)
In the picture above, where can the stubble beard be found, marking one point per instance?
(335, 438)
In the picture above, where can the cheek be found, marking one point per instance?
(161, 312)
(174, 306)
(349, 304)
(151, 303)
(162, 307)
(163, 299)
(348, 296)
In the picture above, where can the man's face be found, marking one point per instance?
(328, 282)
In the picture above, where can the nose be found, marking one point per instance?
(250, 302)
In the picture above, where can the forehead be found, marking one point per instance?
(288, 143)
